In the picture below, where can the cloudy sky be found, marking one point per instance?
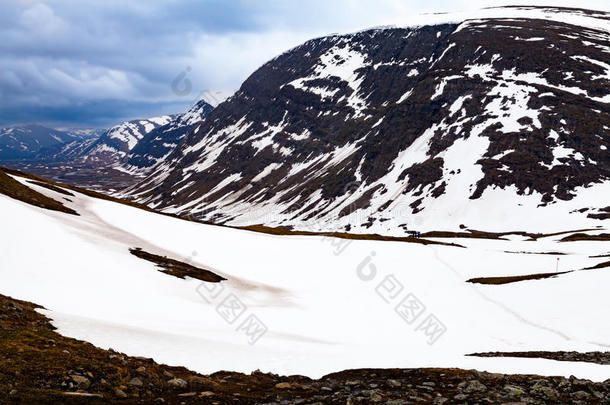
(93, 63)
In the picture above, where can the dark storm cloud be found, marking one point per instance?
(64, 56)
(94, 113)
(95, 62)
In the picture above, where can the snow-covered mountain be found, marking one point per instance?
(133, 146)
(136, 146)
(65, 152)
(495, 120)
(40, 142)
(159, 143)
(112, 159)
(116, 143)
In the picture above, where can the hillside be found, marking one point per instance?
(306, 304)
(457, 125)
(108, 160)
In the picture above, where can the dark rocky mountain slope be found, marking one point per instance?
(491, 122)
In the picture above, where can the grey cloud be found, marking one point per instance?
(118, 59)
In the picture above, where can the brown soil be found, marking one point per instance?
(537, 253)
(469, 234)
(513, 279)
(177, 268)
(546, 235)
(583, 236)
(599, 266)
(472, 233)
(51, 187)
(342, 235)
(14, 189)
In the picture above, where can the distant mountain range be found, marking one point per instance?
(39, 142)
(130, 146)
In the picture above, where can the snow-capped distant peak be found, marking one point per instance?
(159, 143)
(131, 132)
(115, 144)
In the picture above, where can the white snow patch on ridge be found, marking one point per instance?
(597, 20)
(441, 86)
(130, 132)
(457, 104)
(341, 62)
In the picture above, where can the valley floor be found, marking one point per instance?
(99, 178)
(311, 305)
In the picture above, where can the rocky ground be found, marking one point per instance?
(38, 366)
(590, 357)
(177, 268)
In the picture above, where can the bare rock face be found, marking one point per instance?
(395, 128)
